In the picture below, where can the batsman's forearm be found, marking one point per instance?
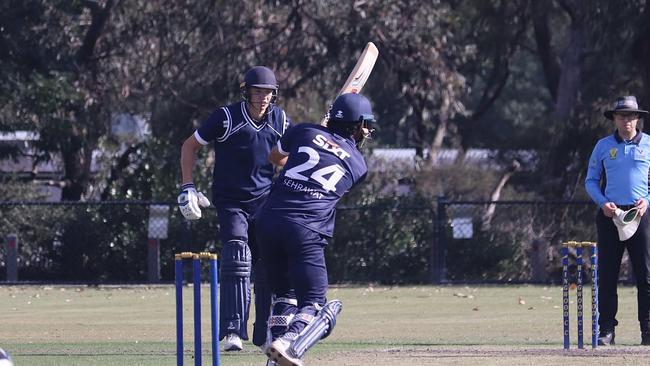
(188, 158)
(277, 158)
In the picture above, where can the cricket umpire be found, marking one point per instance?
(617, 178)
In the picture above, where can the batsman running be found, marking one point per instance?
(322, 164)
(243, 134)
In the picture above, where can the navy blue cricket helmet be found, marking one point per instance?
(259, 77)
(351, 108)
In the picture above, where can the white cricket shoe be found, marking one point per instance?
(232, 342)
(278, 352)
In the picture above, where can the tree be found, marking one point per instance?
(451, 73)
(582, 46)
(58, 90)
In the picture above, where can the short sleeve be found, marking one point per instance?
(214, 127)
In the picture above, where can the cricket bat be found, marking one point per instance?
(359, 75)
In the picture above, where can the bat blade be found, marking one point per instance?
(360, 73)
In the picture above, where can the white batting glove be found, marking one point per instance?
(190, 202)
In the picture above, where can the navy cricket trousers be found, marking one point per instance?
(294, 259)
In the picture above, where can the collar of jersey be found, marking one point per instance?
(250, 120)
(635, 140)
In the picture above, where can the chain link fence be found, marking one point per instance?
(441, 242)
(98, 242)
(105, 242)
(515, 241)
(375, 244)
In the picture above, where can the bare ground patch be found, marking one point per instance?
(484, 355)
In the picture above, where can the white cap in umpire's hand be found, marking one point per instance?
(626, 222)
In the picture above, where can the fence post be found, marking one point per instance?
(158, 228)
(438, 258)
(12, 258)
(433, 257)
(153, 260)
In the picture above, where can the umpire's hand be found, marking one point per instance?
(609, 209)
(642, 204)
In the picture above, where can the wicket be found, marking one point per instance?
(579, 294)
(196, 271)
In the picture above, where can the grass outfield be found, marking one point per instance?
(415, 325)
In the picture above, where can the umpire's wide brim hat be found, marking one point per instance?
(625, 104)
(627, 222)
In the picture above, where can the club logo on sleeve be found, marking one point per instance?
(612, 153)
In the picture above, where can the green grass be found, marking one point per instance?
(414, 325)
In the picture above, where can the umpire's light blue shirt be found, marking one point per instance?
(624, 166)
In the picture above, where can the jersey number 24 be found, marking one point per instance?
(335, 171)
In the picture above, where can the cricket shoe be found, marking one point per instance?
(232, 342)
(606, 338)
(279, 351)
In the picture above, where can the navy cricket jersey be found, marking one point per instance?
(242, 171)
(321, 168)
(625, 165)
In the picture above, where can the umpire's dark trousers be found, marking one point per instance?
(610, 253)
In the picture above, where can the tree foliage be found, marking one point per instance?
(452, 73)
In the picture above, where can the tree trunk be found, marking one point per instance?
(550, 61)
(569, 83)
(642, 51)
(419, 118)
(486, 220)
(77, 156)
(538, 256)
(563, 81)
(436, 143)
(76, 163)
